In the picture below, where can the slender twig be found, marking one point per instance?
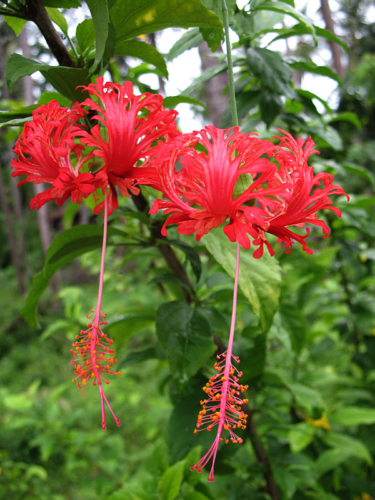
(230, 65)
(35, 11)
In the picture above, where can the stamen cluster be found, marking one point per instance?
(93, 359)
(222, 408)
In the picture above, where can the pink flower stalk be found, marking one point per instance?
(93, 347)
(129, 126)
(46, 152)
(222, 408)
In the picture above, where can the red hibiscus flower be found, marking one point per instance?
(129, 124)
(308, 193)
(202, 194)
(46, 152)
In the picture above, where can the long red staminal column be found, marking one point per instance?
(92, 346)
(222, 408)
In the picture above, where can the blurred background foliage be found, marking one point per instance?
(305, 328)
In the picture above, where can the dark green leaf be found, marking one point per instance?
(172, 101)
(65, 80)
(62, 4)
(25, 112)
(132, 19)
(141, 355)
(15, 123)
(191, 254)
(170, 278)
(311, 67)
(192, 38)
(259, 279)
(143, 51)
(253, 353)
(186, 339)
(311, 96)
(100, 16)
(347, 117)
(359, 170)
(270, 68)
(270, 105)
(66, 247)
(294, 323)
(180, 432)
(127, 324)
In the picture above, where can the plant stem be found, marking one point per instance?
(101, 277)
(230, 64)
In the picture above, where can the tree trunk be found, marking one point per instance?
(216, 100)
(330, 26)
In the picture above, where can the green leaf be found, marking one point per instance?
(270, 106)
(305, 396)
(141, 355)
(190, 253)
(270, 68)
(331, 459)
(311, 96)
(171, 481)
(25, 112)
(131, 19)
(351, 168)
(127, 324)
(213, 37)
(58, 19)
(259, 279)
(65, 80)
(185, 337)
(191, 38)
(143, 51)
(205, 76)
(311, 67)
(48, 96)
(18, 122)
(300, 436)
(195, 495)
(285, 8)
(100, 16)
(15, 23)
(85, 35)
(347, 117)
(173, 101)
(253, 353)
(62, 4)
(66, 247)
(328, 35)
(353, 415)
(345, 442)
(294, 323)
